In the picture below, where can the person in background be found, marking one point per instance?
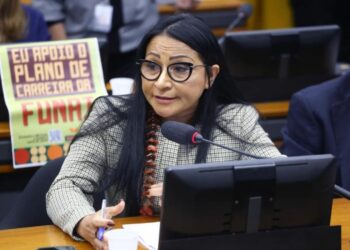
(181, 76)
(21, 23)
(119, 26)
(318, 123)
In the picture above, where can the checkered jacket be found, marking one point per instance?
(83, 167)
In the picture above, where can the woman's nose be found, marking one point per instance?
(163, 81)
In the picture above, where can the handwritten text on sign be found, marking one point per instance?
(50, 70)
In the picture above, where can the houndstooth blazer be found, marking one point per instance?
(82, 169)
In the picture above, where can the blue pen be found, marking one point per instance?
(101, 230)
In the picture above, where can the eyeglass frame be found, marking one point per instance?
(191, 67)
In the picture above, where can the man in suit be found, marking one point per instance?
(318, 123)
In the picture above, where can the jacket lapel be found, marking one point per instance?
(340, 113)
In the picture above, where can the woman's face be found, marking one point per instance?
(173, 100)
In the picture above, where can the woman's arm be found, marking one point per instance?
(70, 197)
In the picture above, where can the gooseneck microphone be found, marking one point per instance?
(186, 134)
(342, 192)
(243, 12)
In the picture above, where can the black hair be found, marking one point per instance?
(127, 174)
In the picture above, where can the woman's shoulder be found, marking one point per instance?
(103, 103)
(105, 107)
(237, 111)
(237, 117)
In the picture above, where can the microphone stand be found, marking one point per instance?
(342, 192)
(235, 22)
(199, 138)
(240, 16)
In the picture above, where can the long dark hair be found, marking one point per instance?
(13, 21)
(128, 173)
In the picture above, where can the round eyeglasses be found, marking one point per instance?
(179, 72)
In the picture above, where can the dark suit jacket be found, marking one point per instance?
(319, 122)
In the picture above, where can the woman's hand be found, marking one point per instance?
(89, 225)
(155, 190)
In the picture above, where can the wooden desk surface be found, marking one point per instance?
(43, 236)
(272, 109)
(4, 130)
(204, 5)
(34, 237)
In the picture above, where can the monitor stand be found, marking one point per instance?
(308, 238)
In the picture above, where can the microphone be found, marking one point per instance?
(186, 134)
(243, 12)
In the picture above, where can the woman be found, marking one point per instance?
(182, 77)
(20, 23)
(130, 20)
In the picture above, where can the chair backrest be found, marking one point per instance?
(30, 207)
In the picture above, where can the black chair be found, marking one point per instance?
(30, 207)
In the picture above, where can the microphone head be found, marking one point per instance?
(245, 10)
(181, 133)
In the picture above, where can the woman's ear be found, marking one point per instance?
(214, 71)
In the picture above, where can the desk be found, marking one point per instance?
(5, 135)
(4, 130)
(34, 237)
(266, 110)
(217, 13)
(204, 5)
(272, 109)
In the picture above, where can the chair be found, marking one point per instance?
(30, 207)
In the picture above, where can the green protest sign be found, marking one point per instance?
(48, 88)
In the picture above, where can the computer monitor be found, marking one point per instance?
(271, 65)
(241, 197)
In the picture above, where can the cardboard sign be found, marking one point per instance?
(48, 88)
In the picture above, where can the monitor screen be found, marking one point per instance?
(273, 64)
(247, 196)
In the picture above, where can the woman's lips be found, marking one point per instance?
(164, 99)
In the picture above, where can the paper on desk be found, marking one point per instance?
(148, 233)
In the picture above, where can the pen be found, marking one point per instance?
(101, 230)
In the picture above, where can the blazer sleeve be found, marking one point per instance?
(69, 198)
(302, 134)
